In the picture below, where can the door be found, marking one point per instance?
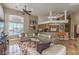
(76, 31)
(75, 34)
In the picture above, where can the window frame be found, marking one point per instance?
(17, 23)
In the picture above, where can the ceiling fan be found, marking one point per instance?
(26, 11)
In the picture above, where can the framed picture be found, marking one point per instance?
(62, 27)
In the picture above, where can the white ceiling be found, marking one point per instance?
(42, 9)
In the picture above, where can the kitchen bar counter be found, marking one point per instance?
(55, 35)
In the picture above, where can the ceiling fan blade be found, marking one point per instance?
(26, 12)
(29, 11)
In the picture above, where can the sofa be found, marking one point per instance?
(55, 50)
(46, 47)
(51, 50)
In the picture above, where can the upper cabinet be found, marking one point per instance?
(1, 13)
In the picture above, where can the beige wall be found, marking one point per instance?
(74, 21)
(8, 11)
(1, 12)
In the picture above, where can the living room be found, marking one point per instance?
(52, 28)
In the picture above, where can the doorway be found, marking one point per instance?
(76, 31)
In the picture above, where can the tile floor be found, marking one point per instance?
(72, 46)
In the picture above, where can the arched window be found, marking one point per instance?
(15, 25)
